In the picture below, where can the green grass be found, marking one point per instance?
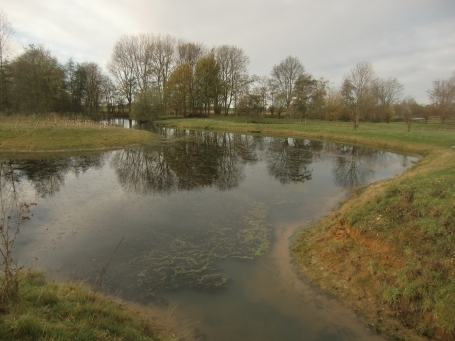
(30, 135)
(51, 311)
(417, 218)
(420, 139)
(387, 251)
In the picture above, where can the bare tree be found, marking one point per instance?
(357, 87)
(189, 53)
(319, 98)
(427, 112)
(334, 103)
(6, 31)
(143, 53)
(108, 93)
(442, 96)
(123, 68)
(387, 93)
(163, 59)
(233, 71)
(261, 90)
(280, 103)
(272, 91)
(285, 74)
(408, 108)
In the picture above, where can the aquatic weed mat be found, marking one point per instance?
(185, 257)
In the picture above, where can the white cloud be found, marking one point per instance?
(412, 40)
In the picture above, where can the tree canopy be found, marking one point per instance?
(153, 74)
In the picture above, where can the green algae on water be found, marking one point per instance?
(187, 258)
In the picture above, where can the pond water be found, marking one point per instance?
(205, 222)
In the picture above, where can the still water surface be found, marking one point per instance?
(207, 221)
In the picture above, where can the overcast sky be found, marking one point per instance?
(412, 40)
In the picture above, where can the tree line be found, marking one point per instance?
(149, 75)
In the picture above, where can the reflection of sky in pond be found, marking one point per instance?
(206, 219)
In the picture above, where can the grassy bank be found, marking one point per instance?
(50, 311)
(26, 134)
(421, 139)
(388, 251)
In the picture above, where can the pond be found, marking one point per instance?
(198, 228)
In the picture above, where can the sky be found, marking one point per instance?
(411, 40)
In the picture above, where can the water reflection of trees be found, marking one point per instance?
(13, 213)
(191, 160)
(353, 164)
(289, 160)
(47, 176)
(10, 186)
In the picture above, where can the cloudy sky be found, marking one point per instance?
(412, 40)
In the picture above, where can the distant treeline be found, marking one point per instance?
(151, 75)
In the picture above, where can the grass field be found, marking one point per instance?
(421, 138)
(25, 134)
(388, 252)
(51, 311)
